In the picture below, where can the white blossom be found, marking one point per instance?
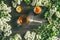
(38, 37)
(58, 14)
(4, 26)
(16, 37)
(34, 2)
(7, 33)
(17, 2)
(53, 28)
(14, 4)
(5, 8)
(32, 36)
(55, 38)
(28, 36)
(6, 18)
(40, 2)
(53, 9)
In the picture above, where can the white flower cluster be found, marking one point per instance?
(40, 2)
(53, 9)
(4, 8)
(55, 38)
(16, 2)
(16, 37)
(4, 27)
(58, 14)
(53, 28)
(32, 36)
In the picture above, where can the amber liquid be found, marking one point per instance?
(23, 20)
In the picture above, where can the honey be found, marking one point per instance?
(19, 9)
(23, 20)
(37, 10)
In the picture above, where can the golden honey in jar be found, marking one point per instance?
(18, 9)
(23, 20)
(37, 10)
